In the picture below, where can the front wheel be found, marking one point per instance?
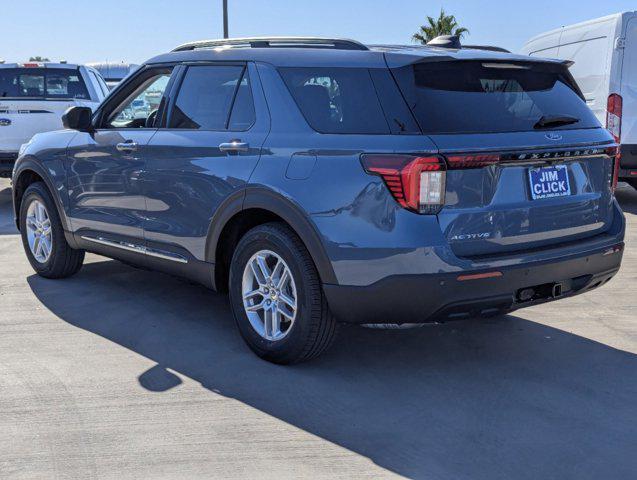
(43, 236)
(276, 296)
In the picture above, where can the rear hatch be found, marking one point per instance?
(528, 163)
(33, 99)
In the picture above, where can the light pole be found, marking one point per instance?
(225, 18)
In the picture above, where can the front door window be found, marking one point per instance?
(140, 108)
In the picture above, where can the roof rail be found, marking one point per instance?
(275, 42)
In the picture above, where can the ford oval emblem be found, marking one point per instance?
(5, 122)
(553, 136)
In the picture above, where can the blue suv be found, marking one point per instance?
(321, 181)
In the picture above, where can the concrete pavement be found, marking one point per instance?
(122, 373)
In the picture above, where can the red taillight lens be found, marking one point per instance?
(614, 116)
(417, 183)
(472, 161)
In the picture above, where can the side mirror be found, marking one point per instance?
(78, 118)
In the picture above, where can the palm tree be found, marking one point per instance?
(443, 25)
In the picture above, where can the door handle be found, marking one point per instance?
(234, 146)
(128, 146)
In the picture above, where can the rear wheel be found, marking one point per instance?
(632, 182)
(276, 296)
(43, 236)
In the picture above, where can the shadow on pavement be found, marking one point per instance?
(504, 399)
(7, 227)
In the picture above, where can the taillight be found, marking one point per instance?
(614, 116)
(472, 161)
(615, 154)
(417, 183)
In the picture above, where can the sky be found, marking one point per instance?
(135, 30)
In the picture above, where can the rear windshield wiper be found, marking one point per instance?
(548, 121)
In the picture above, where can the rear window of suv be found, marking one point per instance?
(345, 100)
(41, 83)
(491, 97)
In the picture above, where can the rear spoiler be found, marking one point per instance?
(397, 59)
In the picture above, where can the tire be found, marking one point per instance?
(632, 182)
(62, 261)
(313, 328)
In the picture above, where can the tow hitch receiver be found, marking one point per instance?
(540, 292)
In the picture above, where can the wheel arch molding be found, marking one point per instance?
(30, 166)
(278, 207)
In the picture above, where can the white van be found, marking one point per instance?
(604, 52)
(33, 97)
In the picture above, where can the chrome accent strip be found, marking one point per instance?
(131, 247)
(528, 149)
(165, 255)
(124, 246)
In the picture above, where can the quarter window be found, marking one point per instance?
(209, 94)
(337, 100)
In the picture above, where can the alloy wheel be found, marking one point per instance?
(39, 233)
(269, 295)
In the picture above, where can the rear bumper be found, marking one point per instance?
(7, 161)
(628, 173)
(443, 297)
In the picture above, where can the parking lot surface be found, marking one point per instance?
(123, 373)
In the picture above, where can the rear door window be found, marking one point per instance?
(337, 100)
(42, 83)
(491, 97)
(214, 97)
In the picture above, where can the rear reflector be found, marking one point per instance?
(614, 249)
(416, 183)
(479, 276)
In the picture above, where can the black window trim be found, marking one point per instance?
(174, 94)
(234, 95)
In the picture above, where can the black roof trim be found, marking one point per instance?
(490, 48)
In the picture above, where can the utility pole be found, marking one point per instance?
(225, 18)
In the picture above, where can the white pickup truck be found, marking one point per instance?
(33, 97)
